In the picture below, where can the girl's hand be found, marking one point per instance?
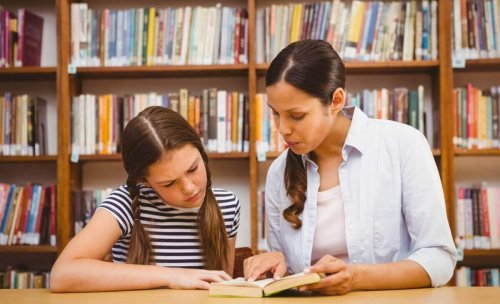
(257, 266)
(338, 280)
(195, 278)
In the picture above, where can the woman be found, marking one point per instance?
(355, 198)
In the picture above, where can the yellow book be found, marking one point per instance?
(151, 35)
(262, 288)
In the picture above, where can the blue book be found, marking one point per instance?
(10, 196)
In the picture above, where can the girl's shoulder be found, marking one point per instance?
(224, 196)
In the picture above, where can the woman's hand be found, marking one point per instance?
(339, 277)
(180, 278)
(257, 266)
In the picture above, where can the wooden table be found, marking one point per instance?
(481, 295)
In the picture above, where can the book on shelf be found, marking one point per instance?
(475, 29)
(467, 277)
(158, 36)
(27, 214)
(21, 33)
(360, 30)
(261, 288)
(220, 118)
(23, 125)
(478, 218)
(476, 117)
(13, 278)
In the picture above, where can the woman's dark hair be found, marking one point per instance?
(146, 138)
(314, 67)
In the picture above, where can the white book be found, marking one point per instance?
(210, 36)
(221, 121)
(185, 34)
(434, 30)
(460, 219)
(420, 91)
(241, 101)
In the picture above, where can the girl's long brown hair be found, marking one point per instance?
(314, 67)
(146, 138)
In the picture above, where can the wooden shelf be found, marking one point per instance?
(386, 67)
(480, 65)
(163, 71)
(482, 253)
(477, 152)
(118, 157)
(28, 159)
(28, 249)
(28, 73)
(481, 258)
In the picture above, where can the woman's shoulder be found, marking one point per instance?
(394, 133)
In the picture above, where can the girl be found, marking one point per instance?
(359, 199)
(166, 227)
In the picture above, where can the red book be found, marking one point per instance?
(30, 33)
(41, 205)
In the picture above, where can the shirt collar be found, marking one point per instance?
(354, 135)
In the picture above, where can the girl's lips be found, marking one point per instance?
(193, 197)
(291, 144)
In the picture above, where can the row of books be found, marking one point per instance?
(467, 277)
(27, 214)
(23, 125)
(221, 118)
(476, 117)
(157, 36)
(19, 279)
(85, 203)
(365, 31)
(476, 29)
(399, 104)
(21, 35)
(478, 218)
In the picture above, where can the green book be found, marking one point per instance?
(262, 288)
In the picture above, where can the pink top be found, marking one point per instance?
(329, 236)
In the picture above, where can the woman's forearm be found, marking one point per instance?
(395, 275)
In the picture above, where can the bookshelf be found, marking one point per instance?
(439, 75)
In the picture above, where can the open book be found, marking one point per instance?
(241, 288)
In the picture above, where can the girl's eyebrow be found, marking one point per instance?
(169, 181)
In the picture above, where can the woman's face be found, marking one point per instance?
(302, 120)
(179, 177)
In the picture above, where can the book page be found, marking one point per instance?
(243, 282)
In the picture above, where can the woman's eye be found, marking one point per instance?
(192, 169)
(275, 113)
(297, 116)
(168, 185)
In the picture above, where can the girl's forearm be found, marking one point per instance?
(95, 275)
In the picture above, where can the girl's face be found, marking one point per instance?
(179, 177)
(302, 120)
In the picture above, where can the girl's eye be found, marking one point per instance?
(193, 169)
(169, 184)
(275, 113)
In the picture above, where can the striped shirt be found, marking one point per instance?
(172, 230)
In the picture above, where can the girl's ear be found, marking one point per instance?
(338, 101)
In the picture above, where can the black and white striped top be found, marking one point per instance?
(172, 230)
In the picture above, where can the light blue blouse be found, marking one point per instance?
(393, 201)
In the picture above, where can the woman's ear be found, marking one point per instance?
(338, 101)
